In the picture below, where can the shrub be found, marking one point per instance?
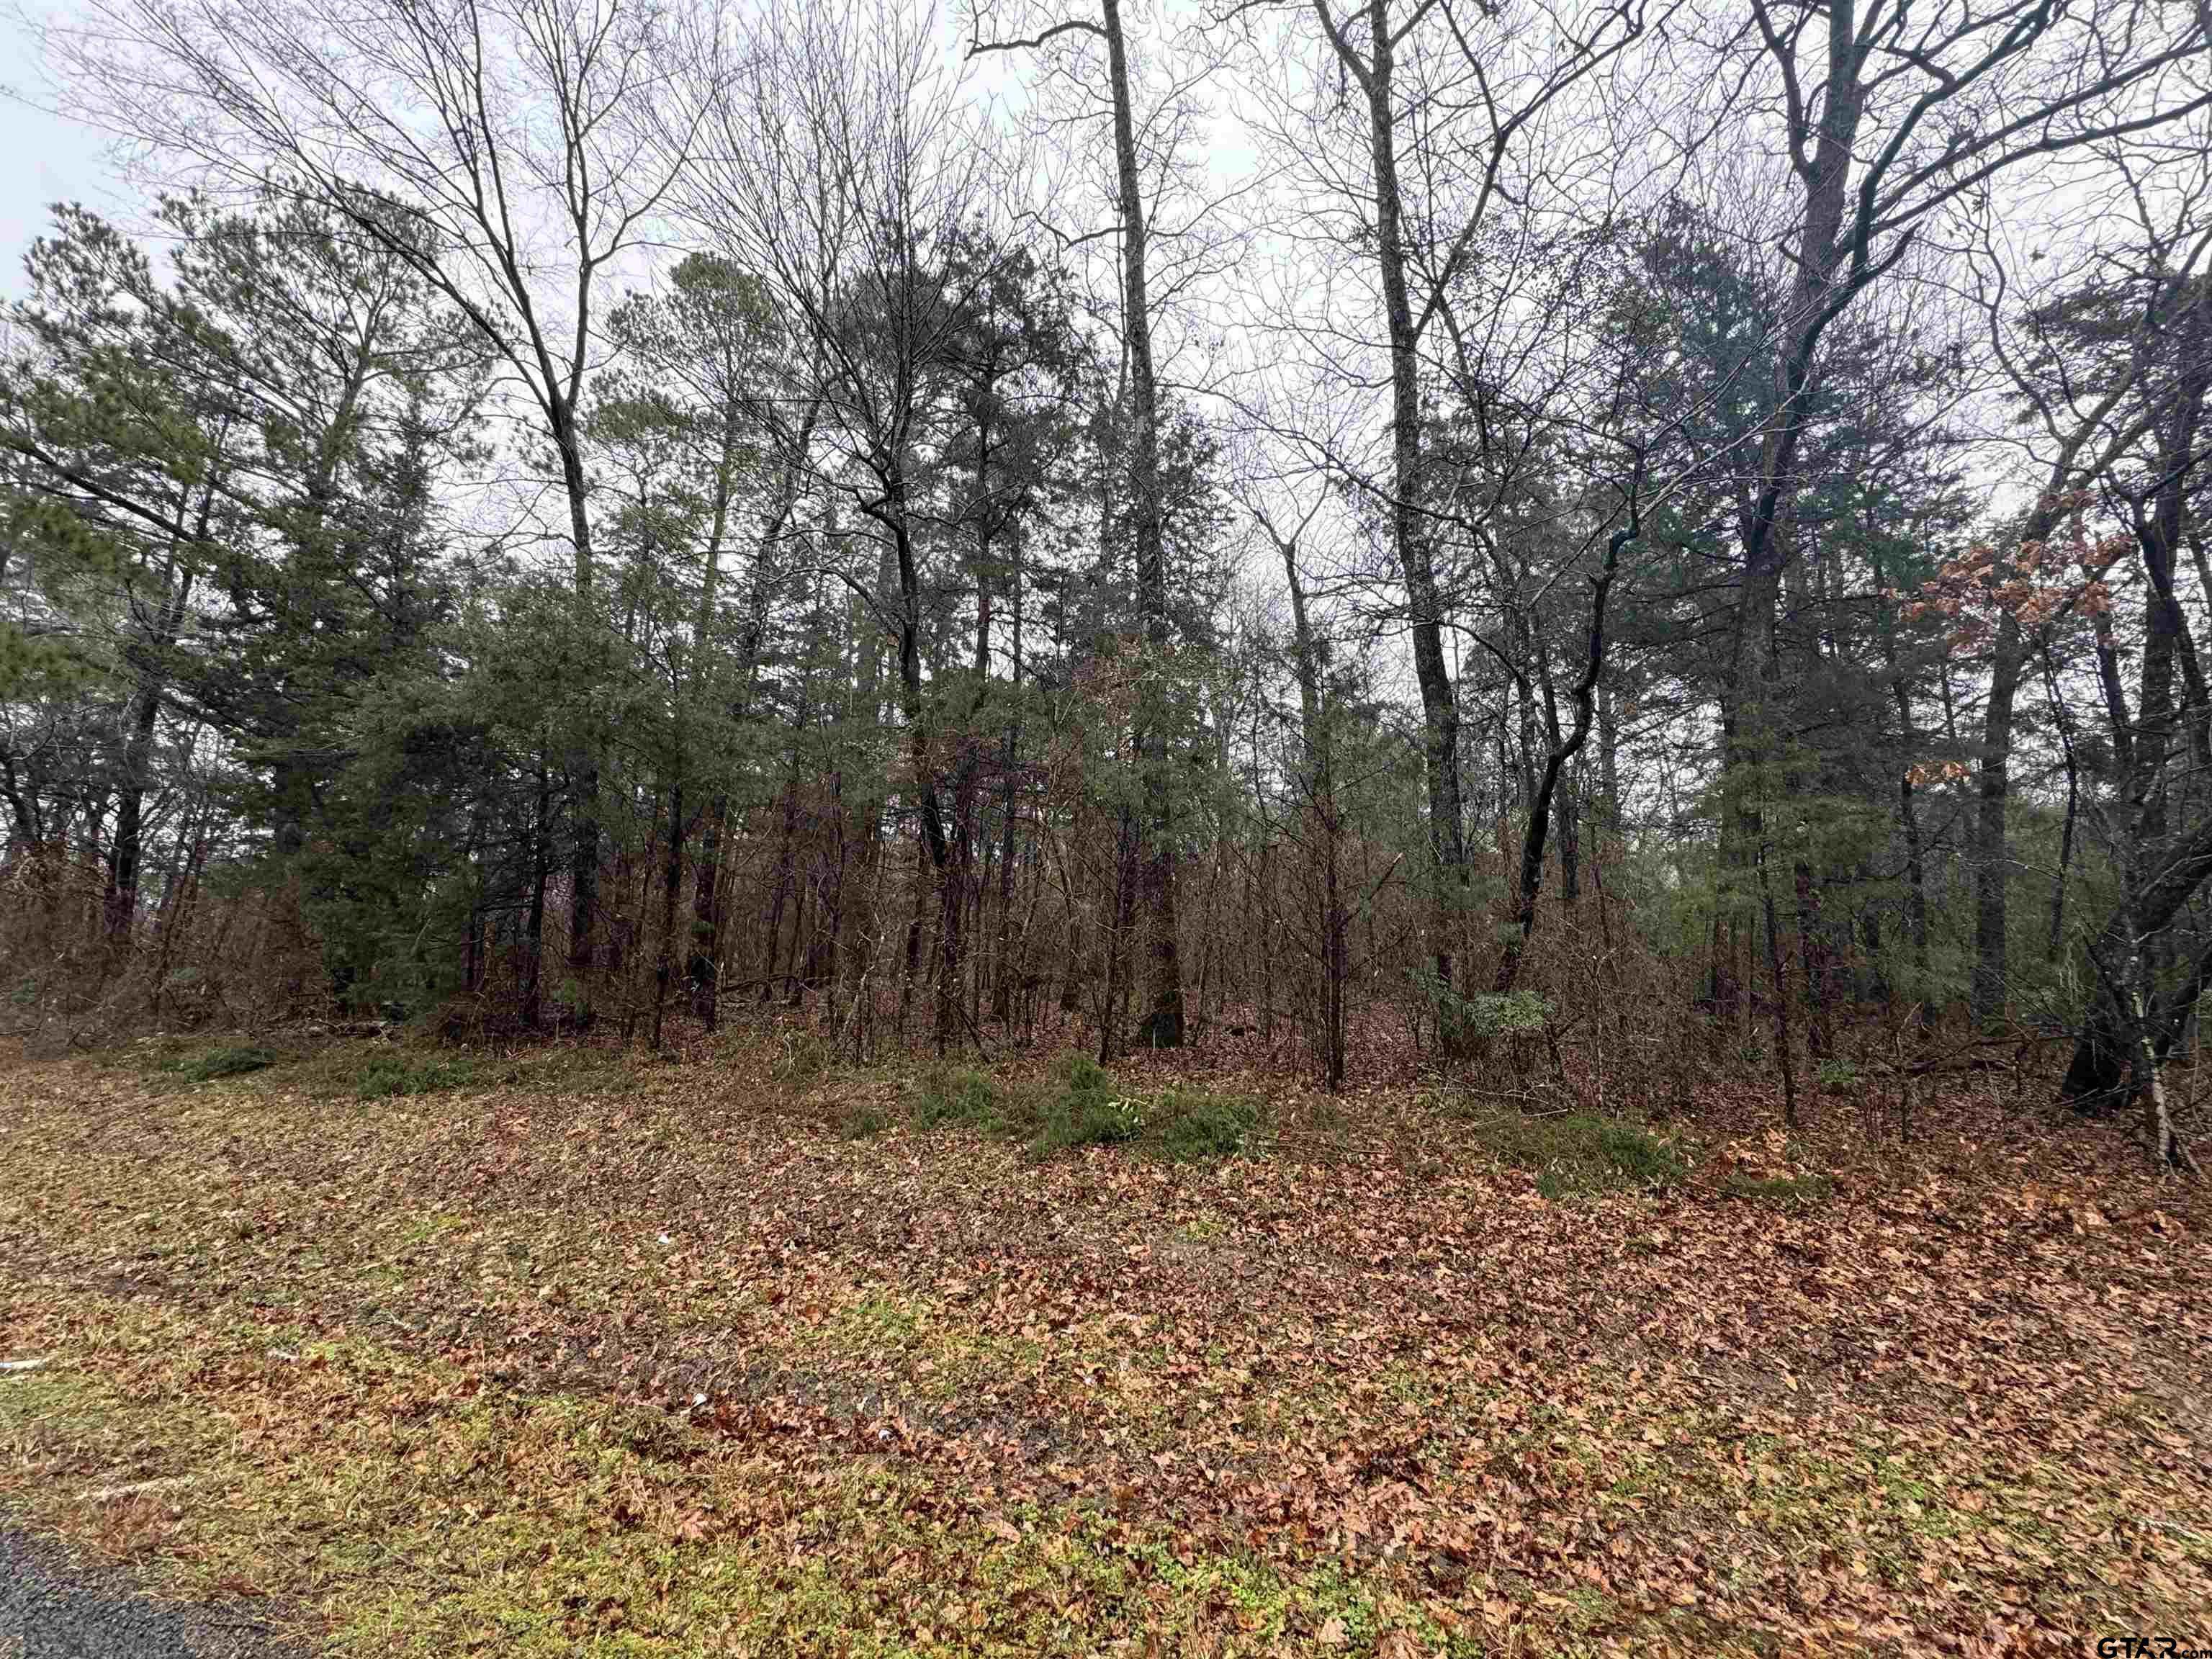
(388, 1077)
(1463, 1019)
(1193, 1127)
(964, 1097)
(226, 1062)
(1576, 1154)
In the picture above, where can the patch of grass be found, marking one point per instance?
(390, 1076)
(1786, 1192)
(228, 1061)
(968, 1096)
(1641, 1156)
(1192, 1126)
(1091, 1107)
(1575, 1155)
(1098, 1123)
(1088, 1110)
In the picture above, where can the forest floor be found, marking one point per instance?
(565, 1353)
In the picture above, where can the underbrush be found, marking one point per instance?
(1573, 1155)
(392, 1077)
(209, 1064)
(374, 1070)
(1081, 1103)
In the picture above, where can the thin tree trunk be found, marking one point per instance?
(1563, 749)
(1993, 787)
(534, 941)
(672, 885)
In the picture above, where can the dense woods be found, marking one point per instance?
(1600, 540)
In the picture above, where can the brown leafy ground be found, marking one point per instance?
(572, 1354)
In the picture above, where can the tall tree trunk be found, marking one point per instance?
(583, 761)
(1830, 270)
(1993, 785)
(472, 862)
(1570, 839)
(1163, 1023)
(1117, 935)
(893, 514)
(125, 851)
(779, 892)
(1409, 538)
(1563, 748)
(2065, 856)
(1908, 810)
(1010, 760)
(157, 635)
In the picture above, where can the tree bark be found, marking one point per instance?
(1409, 538)
(1561, 750)
(1164, 1022)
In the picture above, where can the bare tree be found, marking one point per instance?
(1451, 112)
(1163, 1026)
(497, 146)
(1888, 116)
(2078, 422)
(839, 162)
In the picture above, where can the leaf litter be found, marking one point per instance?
(599, 1361)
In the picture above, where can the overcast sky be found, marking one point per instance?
(44, 158)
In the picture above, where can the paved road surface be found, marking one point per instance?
(50, 1608)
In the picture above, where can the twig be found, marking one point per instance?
(108, 1494)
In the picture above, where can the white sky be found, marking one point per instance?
(44, 158)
